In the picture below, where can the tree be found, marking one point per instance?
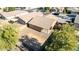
(63, 39)
(8, 37)
(47, 10)
(40, 9)
(8, 9)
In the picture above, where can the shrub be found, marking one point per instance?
(8, 37)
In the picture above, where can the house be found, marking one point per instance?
(76, 22)
(20, 8)
(39, 30)
(61, 9)
(12, 14)
(42, 24)
(31, 9)
(74, 10)
(34, 14)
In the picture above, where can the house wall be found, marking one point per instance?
(34, 27)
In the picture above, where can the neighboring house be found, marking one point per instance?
(74, 10)
(61, 9)
(76, 22)
(31, 9)
(63, 18)
(12, 14)
(34, 14)
(58, 9)
(20, 8)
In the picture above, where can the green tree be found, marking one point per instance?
(8, 37)
(40, 9)
(8, 9)
(63, 39)
(47, 10)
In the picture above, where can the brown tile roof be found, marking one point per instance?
(26, 18)
(29, 16)
(41, 37)
(13, 13)
(43, 22)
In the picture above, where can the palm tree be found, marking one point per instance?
(65, 10)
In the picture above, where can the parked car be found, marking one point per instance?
(55, 13)
(72, 17)
(63, 18)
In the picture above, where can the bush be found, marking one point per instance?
(64, 39)
(8, 37)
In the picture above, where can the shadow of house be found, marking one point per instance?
(31, 44)
(21, 22)
(46, 42)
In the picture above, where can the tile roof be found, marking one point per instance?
(43, 22)
(13, 13)
(29, 16)
(26, 18)
(41, 37)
